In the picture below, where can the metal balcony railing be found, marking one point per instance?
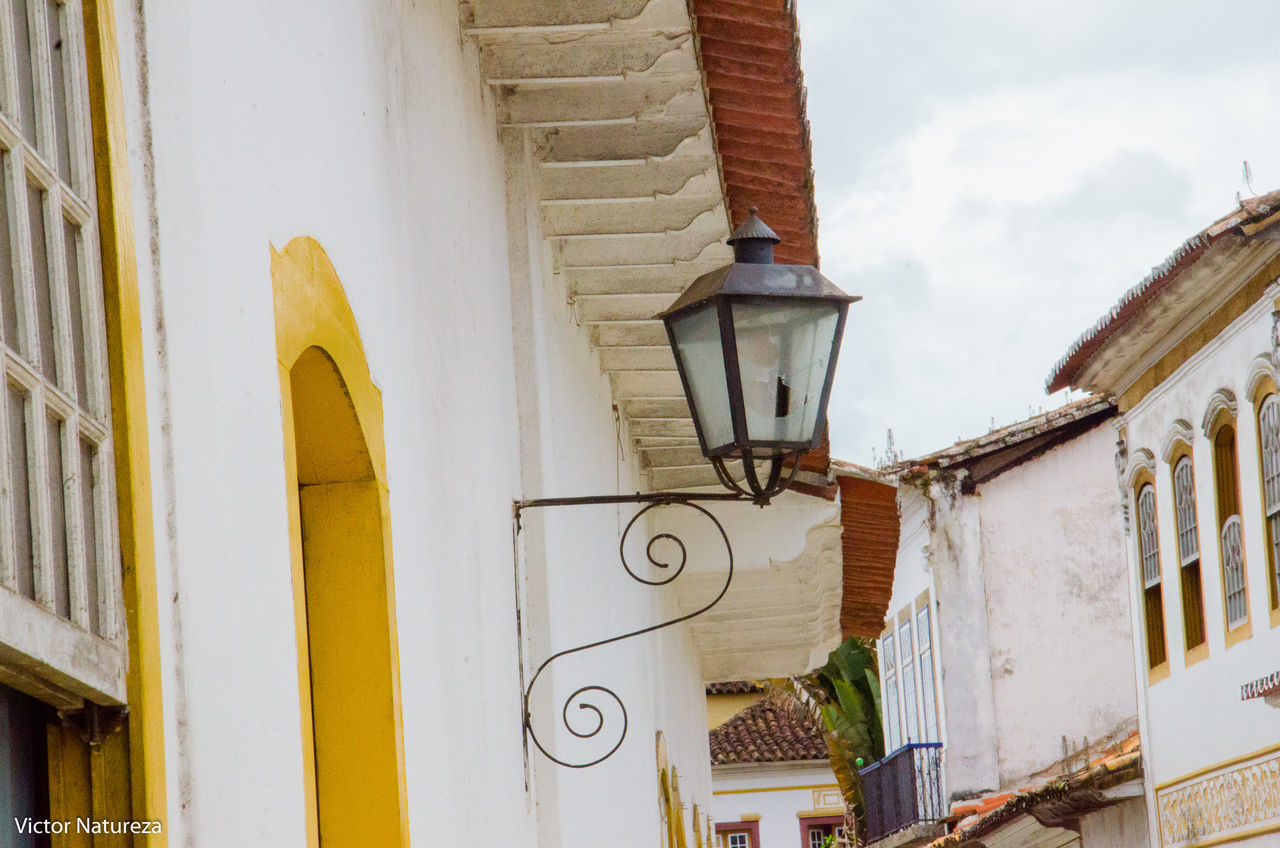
(903, 789)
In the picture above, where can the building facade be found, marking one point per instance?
(297, 302)
(1005, 655)
(1190, 355)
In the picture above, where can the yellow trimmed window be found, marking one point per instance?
(1184, 498)
(1231, 543)
(1269, 447)
(1149, 554)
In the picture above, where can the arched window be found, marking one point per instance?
(1184, 499)
(1227, 494)
(1149, 554)
(1269, 446)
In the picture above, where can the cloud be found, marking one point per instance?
(992, 176)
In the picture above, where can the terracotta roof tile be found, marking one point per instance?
(1003, 437)
(869, 548)
(734, 687)
(750, 51)
(764, 734)
(1120, 762)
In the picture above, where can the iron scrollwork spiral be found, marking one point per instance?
(593, 699)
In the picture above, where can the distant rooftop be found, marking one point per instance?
(1250, 210)
(1014, 443)
(764, 734)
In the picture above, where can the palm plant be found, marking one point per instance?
(843, 696)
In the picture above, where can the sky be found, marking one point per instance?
(992, 175)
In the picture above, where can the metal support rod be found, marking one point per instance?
(583, 697)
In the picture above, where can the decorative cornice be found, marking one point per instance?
(1222, 399)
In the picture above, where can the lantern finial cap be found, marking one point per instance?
(753, 228)
(753, 241)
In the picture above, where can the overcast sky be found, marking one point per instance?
(993, 174)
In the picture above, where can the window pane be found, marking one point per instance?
(26, 84)
(40, 263)
(71, 234)
(8, 287)
(89, 516)
(20, 491)
(924, 639)
(783, 353)
(55, 24)
(1147, 543)
(889, 662)
(1233, 572)
(58, 520)
(911, 724)
(1184, 494)
(1269, 424)
(697, 336)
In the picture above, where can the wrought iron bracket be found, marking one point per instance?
(588, 698)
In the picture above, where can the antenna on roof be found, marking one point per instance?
(1247, 174)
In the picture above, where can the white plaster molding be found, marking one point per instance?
(1180, 432)
(1260, 368)
(1140, 459)
(1221, 399)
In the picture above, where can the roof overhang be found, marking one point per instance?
(652, 123)
(1197, 279)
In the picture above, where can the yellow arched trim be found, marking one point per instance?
(311, 311)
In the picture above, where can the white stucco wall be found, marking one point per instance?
(366, 126)
(776, 793)
(1195, 718)
(1057, 604)
(1029, 589)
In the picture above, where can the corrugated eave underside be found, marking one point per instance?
(612, 98)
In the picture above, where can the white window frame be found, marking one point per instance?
(928, 686)
(59, 644)
(892, 717)
(908, 684)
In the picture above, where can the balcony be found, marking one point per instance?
(903, 796)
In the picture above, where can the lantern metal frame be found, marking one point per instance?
(752, 279)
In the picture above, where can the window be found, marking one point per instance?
(1227, 492)
(739, 834)
(61, 593)
(911, 723)
(924, 643)
(889, 661)
(1149, 554)
(1184, 499)
(1269, 445)
(57, 517)
(818, 831)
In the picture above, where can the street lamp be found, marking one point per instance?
(755, 344)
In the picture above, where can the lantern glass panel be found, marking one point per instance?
(783, 352)
(697, 343)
